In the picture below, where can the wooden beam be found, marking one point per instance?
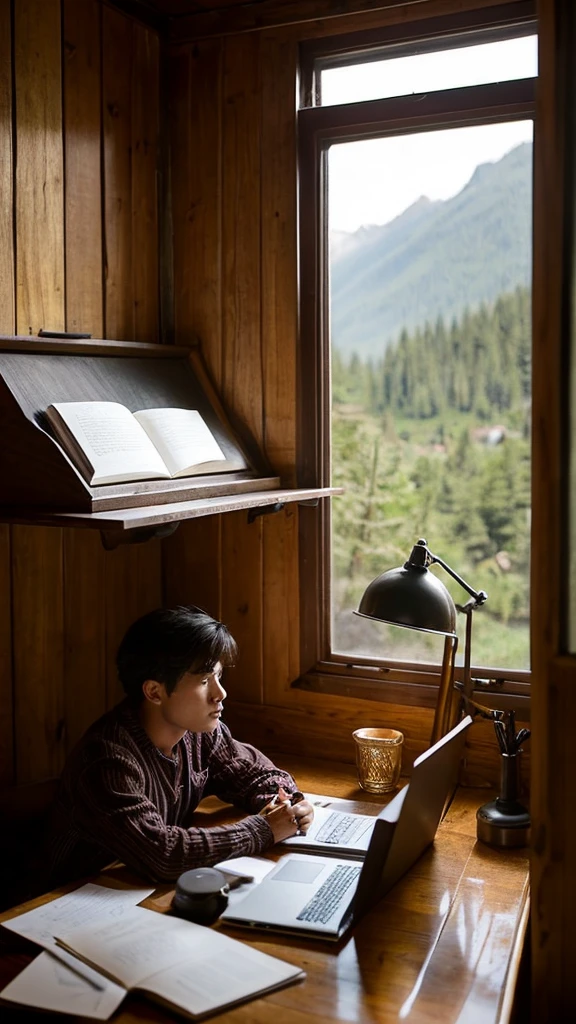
(269, 14)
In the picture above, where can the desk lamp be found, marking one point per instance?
(413, 597)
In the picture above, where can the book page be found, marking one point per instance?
(183, 439)
(113, 441)
(223, 974)
(139, 944)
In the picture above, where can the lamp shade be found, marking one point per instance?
(410, 596)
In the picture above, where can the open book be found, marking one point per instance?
(187, 967)
(111, 445)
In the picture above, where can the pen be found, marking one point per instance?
(64, 957)
(295, 798)
(274, 803)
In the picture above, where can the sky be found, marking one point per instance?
(373, 181)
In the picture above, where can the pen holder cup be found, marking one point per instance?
(378, 758)
(201, 895)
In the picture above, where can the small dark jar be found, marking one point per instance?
(201, 895)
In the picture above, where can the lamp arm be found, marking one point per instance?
(480, 596)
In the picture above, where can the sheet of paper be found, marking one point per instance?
(73, 910)
(257, 867)
(48, 984)
(319, 799)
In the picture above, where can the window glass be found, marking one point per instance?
(500, 61)
(430, 298)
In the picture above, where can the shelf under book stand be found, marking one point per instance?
(40, 485)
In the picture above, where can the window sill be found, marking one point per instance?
(333, 679)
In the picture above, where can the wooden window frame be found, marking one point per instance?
(318, 127)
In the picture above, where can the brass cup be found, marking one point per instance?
(378, 758)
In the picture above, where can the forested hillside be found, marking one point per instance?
(433, 439)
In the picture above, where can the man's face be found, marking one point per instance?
(196, 702)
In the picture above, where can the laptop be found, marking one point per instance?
(324, 896)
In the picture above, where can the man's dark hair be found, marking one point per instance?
(168, 642)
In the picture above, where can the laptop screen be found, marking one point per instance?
(407, 826)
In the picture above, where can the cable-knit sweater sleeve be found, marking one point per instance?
(240, 774)
(111, 806)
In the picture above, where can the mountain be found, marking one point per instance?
(437, 257)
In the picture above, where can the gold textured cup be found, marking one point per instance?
(379, 758)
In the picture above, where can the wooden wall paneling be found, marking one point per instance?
(280, 334)
(7, 311)
(281, 634)
(324, 725)
(117, 55)
(323, 728)
(7, 314)
(6, 686)
(6, 680)
(553, 850)
(191, 565)
(242, 358)
(133, 588)
(279, 63)
(39, 167)
(241, 570)
(39, 212)
(85, 691)
(192, 556)
(196, 173)
(145, 154)
(83, 185)
(83, 558)
(553, 840)
(38, 638)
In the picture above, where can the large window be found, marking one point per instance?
(416, 225)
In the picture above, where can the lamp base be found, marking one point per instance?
(503, 824)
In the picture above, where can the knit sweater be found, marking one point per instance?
(120, 798)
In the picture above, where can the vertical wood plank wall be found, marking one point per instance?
(79, 124)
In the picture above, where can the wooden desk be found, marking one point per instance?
(443, 946)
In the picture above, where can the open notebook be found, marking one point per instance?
(186, 967)
(324, 896)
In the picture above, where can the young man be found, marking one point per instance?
(130, 788)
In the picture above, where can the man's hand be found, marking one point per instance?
(286, 819)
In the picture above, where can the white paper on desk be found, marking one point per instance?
(72, 911)
(321, 800)
(48, 984)
(257, 867)
(65, 983)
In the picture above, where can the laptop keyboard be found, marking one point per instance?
(320, 908)
(341, 828)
